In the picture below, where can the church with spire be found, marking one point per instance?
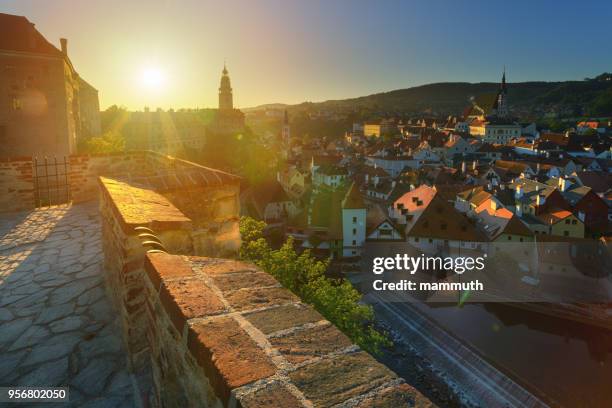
(500, 107)
(489, 117)
(227, 120)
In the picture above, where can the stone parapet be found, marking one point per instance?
(205, 331)
(224, 333)
(181, 179)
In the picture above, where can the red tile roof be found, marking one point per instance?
(19, 34)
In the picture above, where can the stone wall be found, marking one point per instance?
(16, 184)
(212, 332)
(208, 196)
(85, 169)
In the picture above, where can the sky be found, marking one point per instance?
(169, 54)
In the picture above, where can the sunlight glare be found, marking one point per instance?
(153, 78)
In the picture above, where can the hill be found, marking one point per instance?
(591, 97)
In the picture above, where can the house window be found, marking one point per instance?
(430, 241)
(574, 222)
(509, 238)
(354, 252)
(354, 243)
(416, 240)
(567, 221)
(521, 239)
(384, 232)
(354, 220)
(354, 231)
(16, 102)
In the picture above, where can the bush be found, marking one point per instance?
(337, 300)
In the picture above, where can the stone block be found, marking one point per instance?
(161, 266)
(189, 298)
(401, 395)
(307, 344)
(273, 396)
(332, 381)
(283, 317)
(236, 281)
(213, 266)
(228, 355)
(249, 299)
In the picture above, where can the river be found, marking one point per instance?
(569, 362)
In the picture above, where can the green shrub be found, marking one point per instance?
(337, 300)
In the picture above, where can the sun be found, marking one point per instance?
(153, 78)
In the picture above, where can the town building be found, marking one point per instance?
(490, 118)
(47, 107)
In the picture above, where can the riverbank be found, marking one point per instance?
(469, 379)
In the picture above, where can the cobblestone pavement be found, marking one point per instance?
(57, 326)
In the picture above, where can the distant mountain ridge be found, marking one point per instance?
(587, 97)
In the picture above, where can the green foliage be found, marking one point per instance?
(112, 121)
(241, 154)
(337, 300)
(110, 142)
(602, 105)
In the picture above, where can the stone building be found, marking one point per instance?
(44, 105)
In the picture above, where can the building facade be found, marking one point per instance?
(45, 107)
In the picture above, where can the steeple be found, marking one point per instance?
(225, 91)
(501, 104)
(286, 131)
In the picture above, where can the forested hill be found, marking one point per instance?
(591, 97)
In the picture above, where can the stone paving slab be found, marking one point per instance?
(57, 325)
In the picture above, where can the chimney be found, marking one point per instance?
(463, 167)
(519, 191)
(64, 43)
(562, 184)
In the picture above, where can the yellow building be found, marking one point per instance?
(563, 223)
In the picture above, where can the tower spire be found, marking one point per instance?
(226, 99)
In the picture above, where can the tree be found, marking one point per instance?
(337, 300)
(110, 142)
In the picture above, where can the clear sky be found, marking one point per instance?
(163, 53)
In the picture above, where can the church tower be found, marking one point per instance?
(286, 132)
(501, 103)
(225, 92)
